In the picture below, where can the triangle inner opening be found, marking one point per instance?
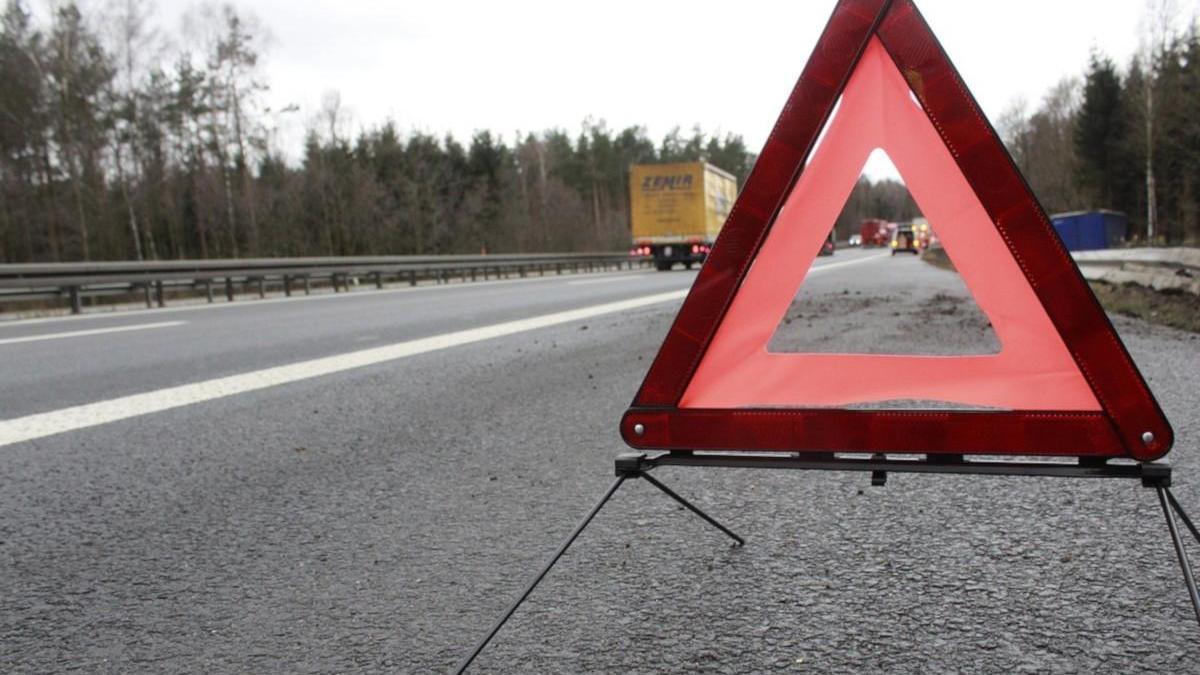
(913, 303)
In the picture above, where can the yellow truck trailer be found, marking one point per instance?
(677, 210)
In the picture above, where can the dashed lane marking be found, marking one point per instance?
(93, 331)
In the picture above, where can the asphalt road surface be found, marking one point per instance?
(362, 482)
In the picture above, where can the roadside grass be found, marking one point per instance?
(1174, 308)
(1177, 309)
(937, 257)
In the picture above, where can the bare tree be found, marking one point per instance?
(133, 42)
(1042, 144)
(1158, 28)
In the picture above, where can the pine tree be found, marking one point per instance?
(1100, 133)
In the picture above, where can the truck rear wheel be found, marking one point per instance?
(664, 266)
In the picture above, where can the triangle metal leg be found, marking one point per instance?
(630, 465)
(1169, 507)
(1183, 515)
(670, 493)
(462, 666)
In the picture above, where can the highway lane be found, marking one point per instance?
(246, 336)
(376, 519)
(202, 342)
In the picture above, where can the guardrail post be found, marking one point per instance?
(287, 285)
(76, 301)
(412, 277)
(472, 274)
(379, 280)
(208, 290)
(229, 289)
(307, 286)
(262, 287)
(158, 293)
(333, 279)
(149, 299)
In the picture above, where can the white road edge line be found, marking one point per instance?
(40, 425)
(93, 331)
(857, 261)
(607, 280)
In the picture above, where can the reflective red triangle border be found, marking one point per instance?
(1129, 413)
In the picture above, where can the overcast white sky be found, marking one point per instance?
(521, 65)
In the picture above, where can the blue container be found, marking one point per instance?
(1091, 230)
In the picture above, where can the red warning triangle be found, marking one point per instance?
(1062, 382)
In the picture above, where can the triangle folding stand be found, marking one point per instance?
(1062, 386)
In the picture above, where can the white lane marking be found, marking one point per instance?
(624, 277)
(253, 302)
(815, 268)
(93, 331)
(40, 425)
(847, 263)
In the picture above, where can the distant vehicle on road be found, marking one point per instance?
(828, 246)
(855, 240)
(677, 210)
(904, 240)
(912, 237)
(873, 232)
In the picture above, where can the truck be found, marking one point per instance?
(677, 210)
(874, 232)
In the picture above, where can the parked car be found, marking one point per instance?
(828, 247)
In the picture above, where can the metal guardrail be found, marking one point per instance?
(1163, 269)
(74, 282)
